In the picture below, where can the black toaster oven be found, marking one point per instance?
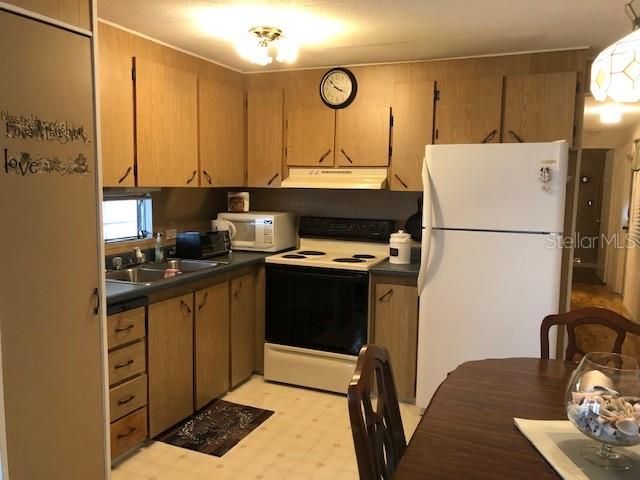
(200, 245)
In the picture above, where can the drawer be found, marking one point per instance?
(128, 432)
(125, 327)
(126, 362)
(127, 397)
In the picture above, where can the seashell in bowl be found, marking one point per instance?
(628, 426)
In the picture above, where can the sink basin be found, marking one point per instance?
(136, 275)
(185, 266)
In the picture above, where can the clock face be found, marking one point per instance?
(338, 88)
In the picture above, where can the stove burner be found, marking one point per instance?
(364, 255)
(293, 255)
(348, 260)
(311, 252)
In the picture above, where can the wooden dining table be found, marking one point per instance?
(467, 432)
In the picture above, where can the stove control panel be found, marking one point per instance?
(346, 228)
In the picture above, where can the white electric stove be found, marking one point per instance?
(317, 316)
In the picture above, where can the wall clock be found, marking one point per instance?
(338, 88)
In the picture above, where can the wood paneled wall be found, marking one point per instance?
(74, 12)
(375, 82)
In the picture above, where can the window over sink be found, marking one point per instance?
(126, 218)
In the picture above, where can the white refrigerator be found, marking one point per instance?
(490, 270)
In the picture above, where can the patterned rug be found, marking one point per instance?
(216, 428)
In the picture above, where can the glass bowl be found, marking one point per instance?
(603, 402)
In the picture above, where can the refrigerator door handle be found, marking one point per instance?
(427, 226)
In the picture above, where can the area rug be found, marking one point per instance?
(216, 428)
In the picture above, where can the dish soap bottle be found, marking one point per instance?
(159, 250)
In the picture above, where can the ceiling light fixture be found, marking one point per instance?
(256, 45)
(615, 73)
(610, 114)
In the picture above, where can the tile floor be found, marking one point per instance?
(308, 437)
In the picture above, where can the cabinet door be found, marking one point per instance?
(396, 327)
(412, 129)
(310, 135)
(211, 343)
(469, 111)
(170, 367)
(362, 137)
(221, 133)
(116, 107)
(166, 126)
(539, 108)
(242, 328)
(265, 133)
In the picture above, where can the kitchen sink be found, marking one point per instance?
(185, 266)
(136, 275)
(149, 273)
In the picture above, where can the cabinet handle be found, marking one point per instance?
(207, 176)
(193, 175)
(187, 308)
(515, 135)
(346, 156)
(126, 174)
(324, 155)
(237, 292)
(204, 301)
(124, 401)
(123, 365)
(271, 180)
(388, 294)
(490, 136)
(124, 329)
(129, 432)
(400, 180)
(96, 296)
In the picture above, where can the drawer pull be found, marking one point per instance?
(388, 294)
(124, 401)
(128, 432)
(123, 365)
(124, 329)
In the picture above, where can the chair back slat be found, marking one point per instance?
(615, 322)
(377, 431)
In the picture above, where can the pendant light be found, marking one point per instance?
(615, 73)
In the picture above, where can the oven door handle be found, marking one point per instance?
(306, 271)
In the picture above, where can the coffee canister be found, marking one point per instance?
(400, 248)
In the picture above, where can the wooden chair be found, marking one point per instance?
(586, 316)
(378, 435)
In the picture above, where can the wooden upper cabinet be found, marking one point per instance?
(362, 137)
(211, 343)
(74, 12)
(115, 58)
(539, 108)
(412, 111)
(265, 134)
(221, 132)
(469, 111)
(310, 137)
(170, 366)
(166, 125)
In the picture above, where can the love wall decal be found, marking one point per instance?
(27, 164)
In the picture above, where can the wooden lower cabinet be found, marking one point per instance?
(170, 343)
(211, 343)
(242, 328)
(396, 328)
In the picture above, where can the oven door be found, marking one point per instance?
(316, 308)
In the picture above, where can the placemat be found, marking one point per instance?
(559, 442)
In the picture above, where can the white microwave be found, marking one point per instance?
(259, 231)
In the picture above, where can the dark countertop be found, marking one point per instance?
(409, 270)
(119, 292)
